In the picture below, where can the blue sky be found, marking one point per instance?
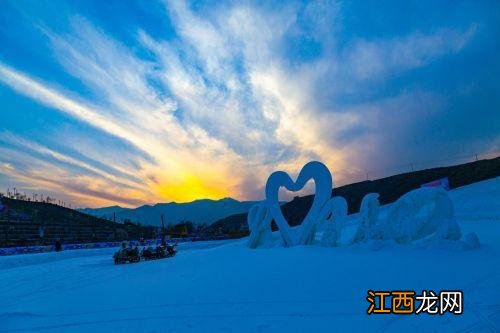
(133, 102)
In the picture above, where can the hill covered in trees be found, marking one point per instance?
(37, 223)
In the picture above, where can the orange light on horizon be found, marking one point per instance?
(190, 187)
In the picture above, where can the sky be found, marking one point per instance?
(138, 102)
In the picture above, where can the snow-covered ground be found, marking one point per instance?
(226, 287)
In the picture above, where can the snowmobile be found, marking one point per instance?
(161, 251)
(127, 255)
(171, 250)
(148, 253)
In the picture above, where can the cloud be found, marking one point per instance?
(375, 59)
(17, 143)
(58, 100)
(35, 175)
(213, 109)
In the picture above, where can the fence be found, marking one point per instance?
(6, 251)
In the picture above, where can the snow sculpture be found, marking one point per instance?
(417, 214)
(332, 218)
(259, 222)
(424, 213)
(323, 210)
(420, 213)
(314, 170)
(368, 212)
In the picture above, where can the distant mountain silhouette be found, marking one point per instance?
(204, 211)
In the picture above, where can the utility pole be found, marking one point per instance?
(162, 230)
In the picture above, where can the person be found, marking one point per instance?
(171, 249)
(121, 253)
(58, 246)
(159, 251)
(123, 249)
(147, 252)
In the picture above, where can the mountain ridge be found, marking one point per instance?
(200, 211)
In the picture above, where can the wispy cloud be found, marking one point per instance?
(374, 60)
(17, 143)
(211, 111)
(32, 174)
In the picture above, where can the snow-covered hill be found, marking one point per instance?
(226, 287)
(203, 211)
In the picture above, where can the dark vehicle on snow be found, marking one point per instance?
(132, 255)
(127, 255)
(160, 252)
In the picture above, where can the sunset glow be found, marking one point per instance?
(164, 101)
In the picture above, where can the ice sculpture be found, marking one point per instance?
(259, 222)
(332, 218)
(417, 214)
(328, 212)
(314, 170)
(420, 213)
(369, 211)
(425, 213)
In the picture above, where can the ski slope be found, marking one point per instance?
(226, 287)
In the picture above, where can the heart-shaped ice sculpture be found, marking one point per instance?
(314, 170)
